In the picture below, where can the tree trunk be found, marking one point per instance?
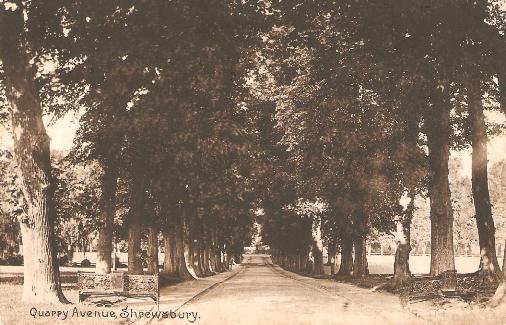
(346, 266)
(134, 223)
(219, 260)
(32, 154)
(213, 259)
(318, 260)
(441, 215)
(134, 248)
(208, 260)
(196, 258)
(332, 251)
(360, 267)
(202, 262)
(238, 257)
(184, 268)
(107, 206)
(206, 252)
(402, 273)
(499, 297)
(152, 249)
(489, 265)
(170, 262)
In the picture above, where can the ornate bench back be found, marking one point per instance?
(93, 282)
(118, 282)
(139, 284)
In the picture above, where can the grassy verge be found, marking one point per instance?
(15, 312)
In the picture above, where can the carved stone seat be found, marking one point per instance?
(118, 284)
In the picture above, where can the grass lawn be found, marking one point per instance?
(384, 264)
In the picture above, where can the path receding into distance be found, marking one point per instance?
(258, 292)
(262, 293)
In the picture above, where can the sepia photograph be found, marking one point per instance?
(272, 162)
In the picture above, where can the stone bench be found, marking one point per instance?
(118, 284)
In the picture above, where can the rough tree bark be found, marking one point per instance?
(134, 222)
(206, 248)
(202, 262)
(195, 257)
(489, 265)
(32, 154)
(153, 249)
(346, 266)
(360, 267)
(185, 271)
(170, 262)
(437, 122)
(207, 262)
(107, 206)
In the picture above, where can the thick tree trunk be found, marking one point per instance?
(134, 247)
(213, 259)
(184, 268)
(219, 260)
(360, 267)
(197, 267)
(489, 266)
(238, 257)
(32, 154)
(206, 252)
(208, 260)
(402, 273)
(170, 262)
(346, 266)
(202, 262)
(441, 215)
(216, 253)
(107, 206)
(153, 249)
(134, 223)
